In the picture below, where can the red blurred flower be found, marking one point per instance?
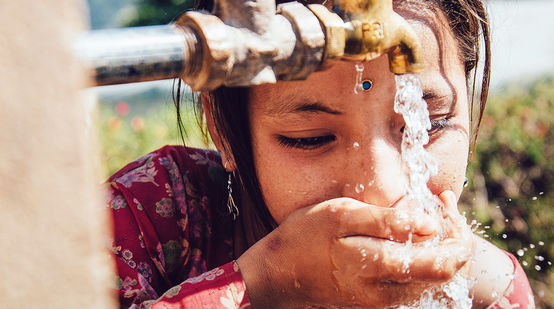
(137, 123)
(122, 108)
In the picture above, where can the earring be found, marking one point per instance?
(231, 206)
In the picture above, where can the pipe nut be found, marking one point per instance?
(333, 27)
(310, 44)
(216, 50)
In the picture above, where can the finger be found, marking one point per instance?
(380, 260)
(457, 225)
(357, 218)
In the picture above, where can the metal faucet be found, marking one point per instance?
(372, 28)
(250, 42)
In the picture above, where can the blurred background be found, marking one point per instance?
(511, 173)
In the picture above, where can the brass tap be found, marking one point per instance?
(371, 28)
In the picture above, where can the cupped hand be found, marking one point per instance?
(345, 253)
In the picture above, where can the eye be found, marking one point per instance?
(439, 124)
(436, 125)
(306, 143)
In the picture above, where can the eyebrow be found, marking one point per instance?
(449, 98)
(309, 107)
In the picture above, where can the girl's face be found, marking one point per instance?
(316, 139)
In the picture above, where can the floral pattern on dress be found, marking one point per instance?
(144, 173)
(118, 202)
(209, 275)
(145, 270)
(172, 251)
(165, 208)
(162, 205)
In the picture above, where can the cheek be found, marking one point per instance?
(288, 183)
(450, 152)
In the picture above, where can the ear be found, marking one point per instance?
(219, 141)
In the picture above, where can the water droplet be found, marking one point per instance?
(524, 263)
(497, 207)
(520, 252)
(487, 227)
(356, 145)
(549, 263)
(539, 258)
(375, 256)
(532, 246)
(334, 181)
(537, 267)
(534, 198)
(359, 188)
(509, 200)
(504, 236)
(506, 220)
(541, 193)
(359, 72)
(541, 243)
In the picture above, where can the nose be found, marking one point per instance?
(375, 172)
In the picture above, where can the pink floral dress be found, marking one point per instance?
(173, 241)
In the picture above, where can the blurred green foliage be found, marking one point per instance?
(158, 12)
(511, 180)
(126, 134)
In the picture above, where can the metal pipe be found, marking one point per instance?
(127, 55)
(250, 42)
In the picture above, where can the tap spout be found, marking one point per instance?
(371, 28)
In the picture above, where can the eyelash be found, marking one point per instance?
(306, 143)
(310, 143)
(436, 125)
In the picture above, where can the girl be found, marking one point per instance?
(301, 206)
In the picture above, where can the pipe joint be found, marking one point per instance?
(288, 46)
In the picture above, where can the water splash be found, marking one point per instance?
(420, 166)
(409, 102)
(359, 72)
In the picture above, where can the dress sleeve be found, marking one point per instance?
(519, 293)
(161, 206)
(221, 287)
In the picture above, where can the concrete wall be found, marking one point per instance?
(51, 215)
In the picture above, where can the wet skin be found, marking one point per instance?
(315, 142)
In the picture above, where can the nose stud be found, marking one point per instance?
(366, 85)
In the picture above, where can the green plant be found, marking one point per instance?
(511, 182)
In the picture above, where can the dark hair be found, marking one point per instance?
(468, 21)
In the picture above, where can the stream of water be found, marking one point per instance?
(420, 165)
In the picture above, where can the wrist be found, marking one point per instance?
(261, 286)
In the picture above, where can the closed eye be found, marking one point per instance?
(438, 125)
(305, 143)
